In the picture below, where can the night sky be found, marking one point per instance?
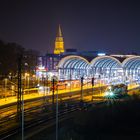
(98, 25)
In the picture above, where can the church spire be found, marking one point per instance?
(59, 32)
(59, 43)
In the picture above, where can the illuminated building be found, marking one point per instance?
(40, 69)
(50, 61)
(59, 43)
(107, 69)
(72, 64)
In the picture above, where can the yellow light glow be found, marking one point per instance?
(59, 43)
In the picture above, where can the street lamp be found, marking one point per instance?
(53, 82)
(55, 79)
(47, 84)
(44, 90)
(27, 82)
(92, 81)
(100, 83)
(82, 78)
(70, 80)
(5, 86)
(20, 97)
(57, 113)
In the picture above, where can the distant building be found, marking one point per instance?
(48, 64)
(52, 61)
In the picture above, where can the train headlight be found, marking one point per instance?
(106, 93)
(111, 94)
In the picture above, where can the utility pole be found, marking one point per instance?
(20, 98)
(100, 84)
(57, 113)
(82, 78)
(5, 87)
(92, 82)
(44, 83)
(53, 82)
(70, 80)
(19, 104)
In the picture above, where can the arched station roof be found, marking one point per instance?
(78, 62)
(105, 62)
(73, 61)
(131, 63)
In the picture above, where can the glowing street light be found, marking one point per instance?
(92, 82)
(82, 78)
(5, 86)
(27, 80)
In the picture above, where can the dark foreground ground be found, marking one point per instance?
(115, 120)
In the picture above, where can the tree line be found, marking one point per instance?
(9, 54)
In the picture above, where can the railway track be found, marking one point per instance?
(31, 119)
(11, 110)
(43, 118)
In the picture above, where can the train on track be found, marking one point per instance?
(118, 90)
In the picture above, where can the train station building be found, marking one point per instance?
(71, 64)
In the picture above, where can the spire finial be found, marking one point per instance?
(59, 32)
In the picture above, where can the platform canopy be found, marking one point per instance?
(131, 63)
(73, 67)
(73, 62)
(131, 67)
(104, 64)
(107, 68)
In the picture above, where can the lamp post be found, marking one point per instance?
(20, 97)
(53, 81)
(38, 81)
(5, 86)
(82, 78)
(100, 83)
(47, 87)
(44, 91)
(28, 82)
(70, 80)
(92, 81)
(57, 113)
